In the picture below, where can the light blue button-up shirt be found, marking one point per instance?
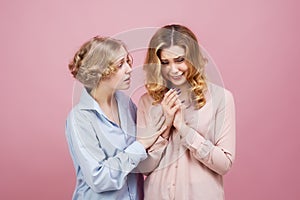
(105, 155)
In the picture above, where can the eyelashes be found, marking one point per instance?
(129, 61)
(178, 60)
(164, 62)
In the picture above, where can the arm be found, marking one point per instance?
(145, 116)
(155, 153)
(219, 156)
(102, 173)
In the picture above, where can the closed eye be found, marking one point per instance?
(164, 62)
(179, 59)
(120, 64)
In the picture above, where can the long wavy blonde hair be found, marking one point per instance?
(175, 35)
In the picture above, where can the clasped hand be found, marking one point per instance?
(160, 123)
(173, 110)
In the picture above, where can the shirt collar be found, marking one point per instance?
(87, 102)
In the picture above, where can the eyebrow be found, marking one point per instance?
(172, 58)
(122, 59)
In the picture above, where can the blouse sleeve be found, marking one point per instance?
(220, 155)
(102, 173)
(155, 152)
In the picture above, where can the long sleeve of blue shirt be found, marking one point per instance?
(103, 153)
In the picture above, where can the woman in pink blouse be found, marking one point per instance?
(189, 159)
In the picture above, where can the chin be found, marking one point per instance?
(178, 83)
(124, 87)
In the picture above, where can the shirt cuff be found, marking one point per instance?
(136, 152)
(197, 143)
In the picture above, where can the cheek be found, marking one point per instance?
(183, 67)
(120, 74)
(115, 79)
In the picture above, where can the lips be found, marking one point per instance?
(127, 79)
(177, 77)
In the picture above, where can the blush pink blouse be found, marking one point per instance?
(191, 167)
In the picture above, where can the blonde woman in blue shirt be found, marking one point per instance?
(101, 128)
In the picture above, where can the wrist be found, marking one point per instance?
(183, 129)
(142, 143)
(166, 133)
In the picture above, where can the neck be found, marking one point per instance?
(108, 104)
(103, 95)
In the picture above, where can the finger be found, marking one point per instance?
(178, 101)
(176, 108)
(169, 92)
(177, 104)
(172, 101)
(171, 95)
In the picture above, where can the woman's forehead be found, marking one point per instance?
(171, 52)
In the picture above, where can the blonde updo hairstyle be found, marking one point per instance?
(165, 37)
(94, 60)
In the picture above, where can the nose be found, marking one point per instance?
(173, 67)
(128, 68)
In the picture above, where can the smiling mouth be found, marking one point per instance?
(127, 79)
(176, 77)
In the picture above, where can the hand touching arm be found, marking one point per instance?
(151, 124)
(101, 172)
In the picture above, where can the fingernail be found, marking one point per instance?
(182, 101)
(179, 92)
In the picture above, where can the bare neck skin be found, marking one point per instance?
(105, 97)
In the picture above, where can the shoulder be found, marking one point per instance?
(76, 115)
(126, 104)
(145, 100)
(77, 119)
(219, 95)
(145, 106)
(124, 98)
(218, 91)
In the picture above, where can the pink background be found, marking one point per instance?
(256, 45)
